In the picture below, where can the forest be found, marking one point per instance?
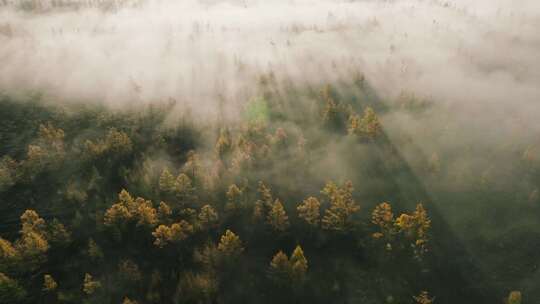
(294, 175)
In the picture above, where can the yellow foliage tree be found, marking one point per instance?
(234, 198)
(230, 244)
(90, 286)
(208, 217)
(309, 211)
(277, 217)
(514, 297)
(415, 228)
(49, 284)
(424, 298)
(342, 206)
(173, 234)
(166, 181)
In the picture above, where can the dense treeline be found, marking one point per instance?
(104, 206)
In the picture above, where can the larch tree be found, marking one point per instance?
(338, 217)
(230, 244)
(415, 228)
(299, 265)
(166, 182)
(129, 301)
(234, 198)
(172, 234)
(208, 217)
(514, 297)
(49, 284)
(424, 298)
(309, 211)
(277, 217)
(90, 286)
(280, 268)
(183, 186)
(383, 218)
(94, 252)
(10, 290)
(223, 144)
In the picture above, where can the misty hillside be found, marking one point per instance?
(288, 151)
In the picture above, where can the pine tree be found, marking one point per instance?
(342, 207)
(299, 265)
(10, 290)
(224, 143)
(424, 298)
(94, 251)
(514, 297)
(415, 228)
(208, 217)
(184, 187)
(166, 181)
(164, 212)
(309, 211)
(277, 217)
(146, 214)
(175, 233)
(280, 268)
(90, 286)
(383, 218)
(49, 284)
(234, 195)
(129, 301)
(370, 124)
(230, 244)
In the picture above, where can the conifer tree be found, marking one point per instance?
(223, 143)
(208, 217)
(342, 206)
(166, 181)
(184, 187)
(49, 284)
(10, 290)
(309, 211)
(94, 251)
(299, 264)
(280, 267)
(383, 218)
(277, 217)
(424, 298)
(90, 286)
(230, 244)
(234, 195)
(129, 301)
(164, 212)
(175, 233)
(514, 297)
